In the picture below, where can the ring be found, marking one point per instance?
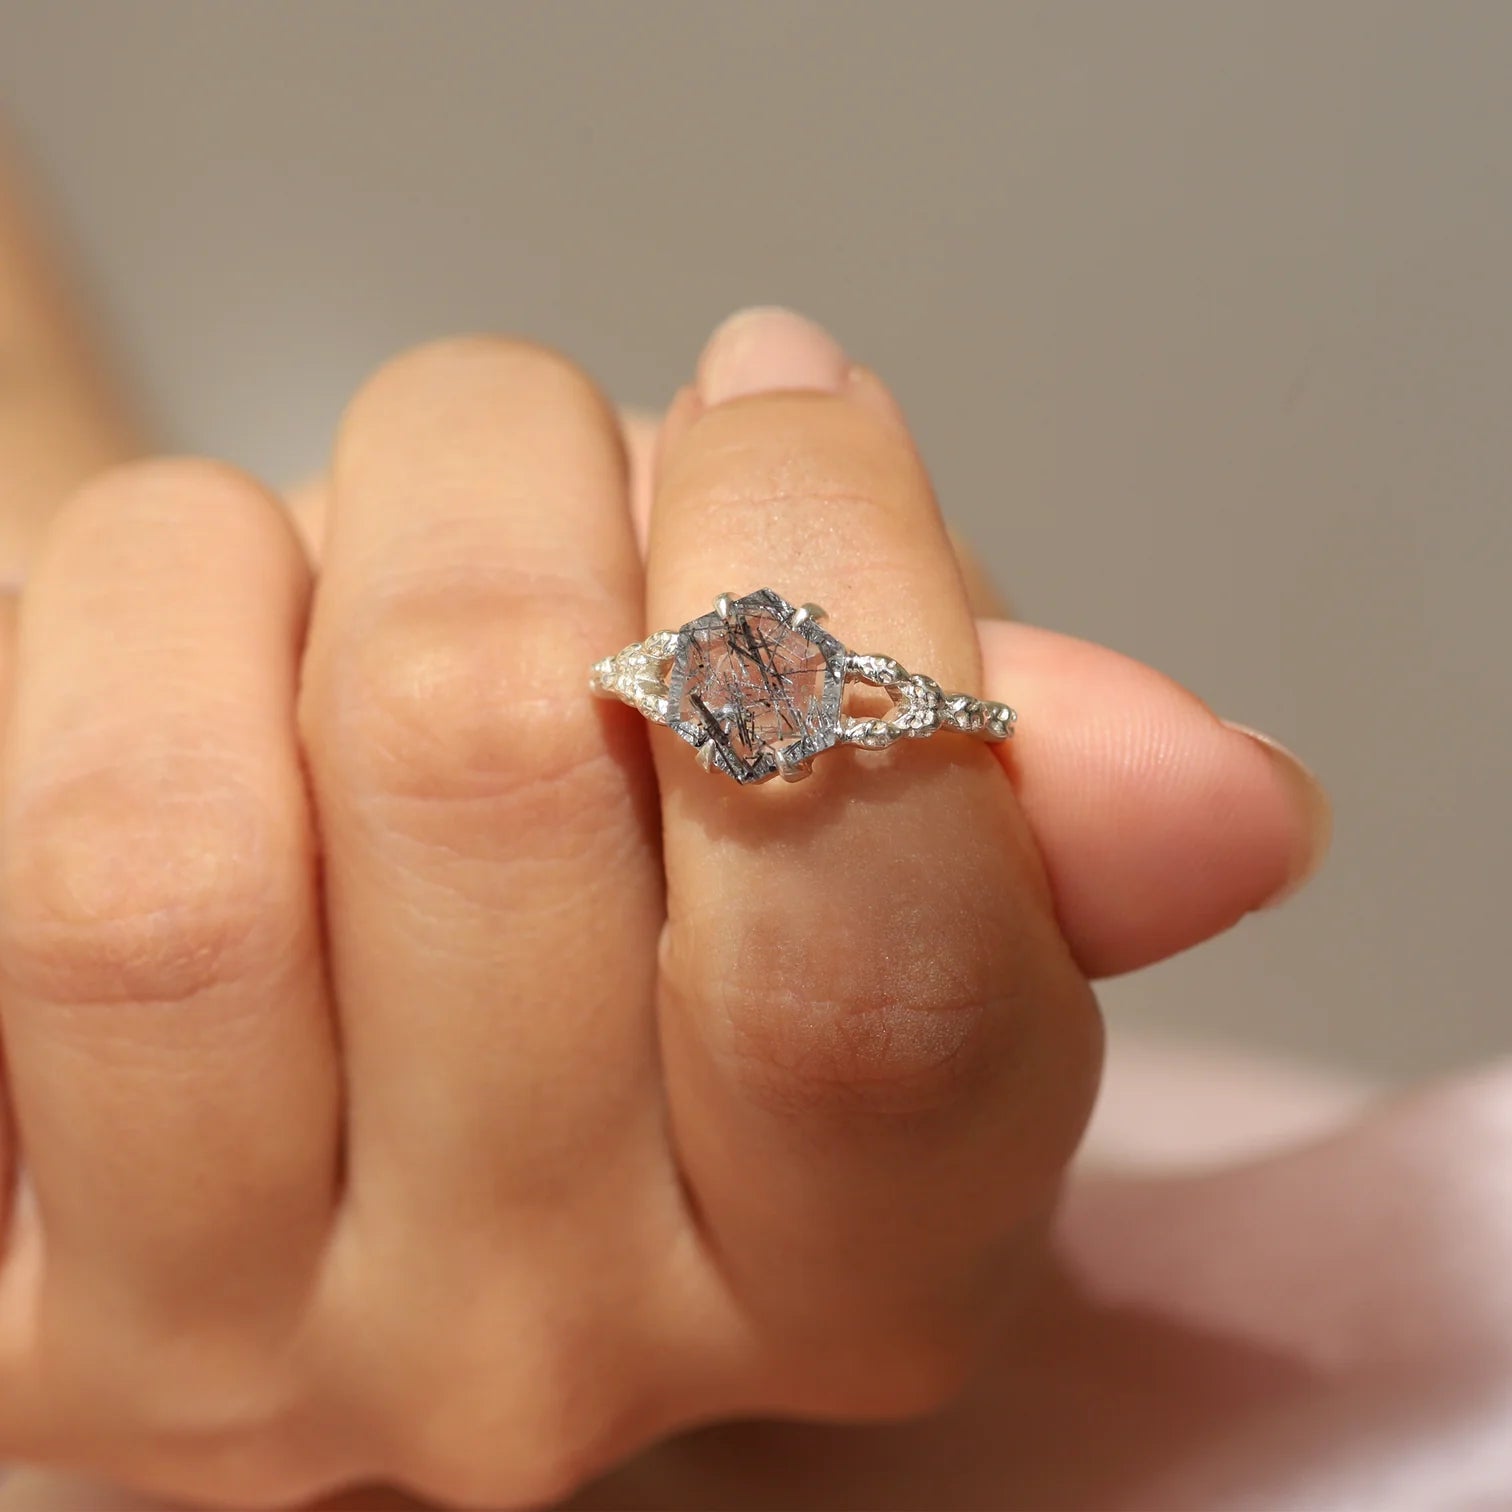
(756, 687)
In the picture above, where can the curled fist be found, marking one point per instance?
(417, 1070)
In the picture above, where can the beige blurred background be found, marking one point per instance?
(1203, 312)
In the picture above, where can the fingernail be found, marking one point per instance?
(1310, 802)
(769, 350)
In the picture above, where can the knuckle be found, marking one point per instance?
(810, 458)
(247, 1478)
(142, 519)
(854, 1055)
(858, 524)
(214, 1414)
(865, 1033)
(457, 692)
(253, 1472)
(535, 1392)
(474, 1458)
(479, 1473)
(158, 490)
(145, 881)
(212, 1397)
(488, 367)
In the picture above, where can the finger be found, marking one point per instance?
(878, 1051)
(306, 501)
(491, 861)
(7, 1130)
(61, 418)
(1159, 825)
(307, 505)
(168, 1041)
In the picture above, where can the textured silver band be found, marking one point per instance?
(652, 676)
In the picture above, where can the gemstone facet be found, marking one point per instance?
(756, 687)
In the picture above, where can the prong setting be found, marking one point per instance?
(756, 687)
(790, 769)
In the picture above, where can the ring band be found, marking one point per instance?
(756, 687)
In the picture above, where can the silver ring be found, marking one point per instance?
(755, 688)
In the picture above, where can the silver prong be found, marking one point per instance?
(705, 756)
(790, 770)
(810, 612)
(722, 606)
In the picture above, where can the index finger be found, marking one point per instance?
(61, 416)
(61, 419)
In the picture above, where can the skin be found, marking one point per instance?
(407, 1084)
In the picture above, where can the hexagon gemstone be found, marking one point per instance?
(755, 684)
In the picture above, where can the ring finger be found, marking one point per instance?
(879, 1053)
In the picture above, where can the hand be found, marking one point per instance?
(378, 1114)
